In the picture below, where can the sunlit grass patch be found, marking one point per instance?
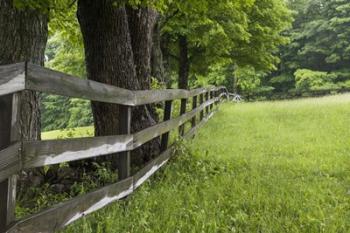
(69, 133)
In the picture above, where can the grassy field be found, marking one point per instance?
(255, 167)
(68, 133)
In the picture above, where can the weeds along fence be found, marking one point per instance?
(17, 154)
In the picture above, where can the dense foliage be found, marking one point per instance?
(224, 38)
(224, 34)
(65, 53)
(318, 55)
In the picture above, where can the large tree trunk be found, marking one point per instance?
(117, 49)
(141, 25)
(23, 37)
(108, 56)
(184, 64)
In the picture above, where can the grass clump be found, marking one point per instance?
(69, 133)
(255, 167)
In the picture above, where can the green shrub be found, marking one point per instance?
(306, 80)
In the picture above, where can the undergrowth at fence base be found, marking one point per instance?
(256, 167)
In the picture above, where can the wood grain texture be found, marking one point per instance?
(53, 82)
(12, 78)
(166, 117)
(152, 132)
(144, 174)
(207, 108)
(154, 96)
(39, 153)
(10, 162)
(18, 77)
(125, 128)
(183, 107)
(65, 213)
(10, 156)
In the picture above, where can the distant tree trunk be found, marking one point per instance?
(230, 78)
(183, 74)
(235, 80)
(167, 56)
(184, 64)
(117, 49)
(157, 64)
(23, 37)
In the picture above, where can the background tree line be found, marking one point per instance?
(316, 59)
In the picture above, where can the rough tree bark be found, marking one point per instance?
(23, 37)
(118, 49)
(108, 55)
(141, 24)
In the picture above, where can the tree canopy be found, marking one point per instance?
(222, 38)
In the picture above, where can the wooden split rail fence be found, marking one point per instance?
(17, 154)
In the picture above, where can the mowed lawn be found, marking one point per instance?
(255, 167)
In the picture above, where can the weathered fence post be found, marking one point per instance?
(194, 106)
(166, 117)
(211, 97)
(201, 100)
(125, 128)
(9, 132)
(206, 99)
(182, 111)
(216, 95)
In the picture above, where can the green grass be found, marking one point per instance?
(255, 167)
(68, 133)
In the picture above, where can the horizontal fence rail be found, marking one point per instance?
(17, 154)
(26, 76)
(41, 153)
